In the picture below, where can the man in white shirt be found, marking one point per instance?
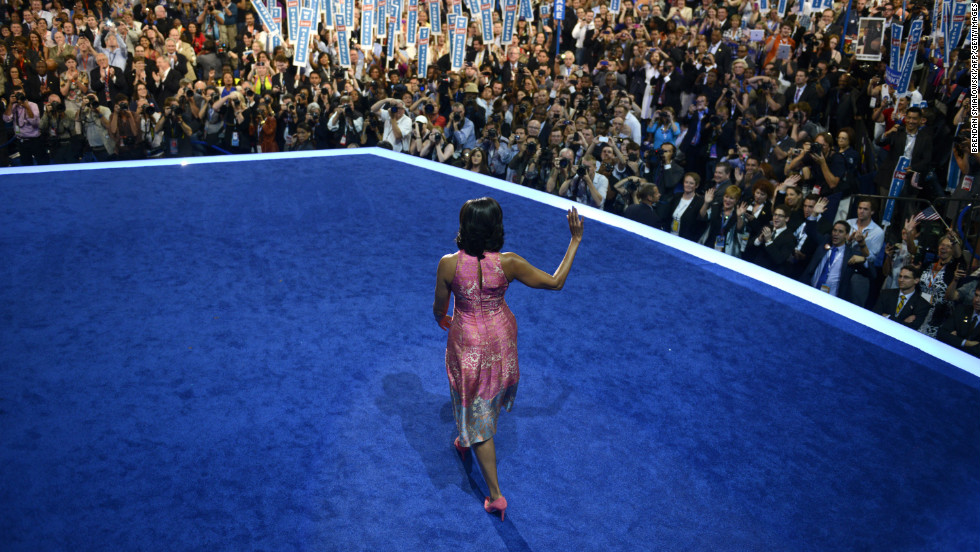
(583, 26)
(867, 238)
(398, 125)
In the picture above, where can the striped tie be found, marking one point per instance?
(901, 304)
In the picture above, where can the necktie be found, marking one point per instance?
(799, 92)
(105, 79)
(901, 304)
(826, 268)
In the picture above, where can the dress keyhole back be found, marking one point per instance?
(479, 272)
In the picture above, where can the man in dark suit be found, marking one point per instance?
(803, 91)
(512, 68)
(831, 267)
(645, 209)
(962, 330)
(721, 52)
(904, 304)
(668, 87)
(908, 140)
(106, 81)
(773, 248)
(164, 82)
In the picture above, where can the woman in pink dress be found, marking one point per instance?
(481, 352)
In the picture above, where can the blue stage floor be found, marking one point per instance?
(241, 356)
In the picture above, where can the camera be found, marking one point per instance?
(816, 148)
(532, 148)
(492, 133)
(457, 117)
(563, 163)
(20, 97)
(581, 170)
(430, 109)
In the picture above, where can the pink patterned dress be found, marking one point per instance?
(481, 353)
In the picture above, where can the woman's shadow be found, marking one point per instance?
(432, 436)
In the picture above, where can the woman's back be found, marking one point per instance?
(474, 297)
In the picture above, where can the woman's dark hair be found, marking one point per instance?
(481, 227)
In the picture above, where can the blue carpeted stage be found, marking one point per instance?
(238, 354)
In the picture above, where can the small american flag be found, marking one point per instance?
(929, 213)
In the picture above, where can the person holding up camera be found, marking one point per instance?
(58, 128)
(397, 124)
(345, 124)
(92, 120)
(26, 118)
(585, 186)
(215, 113)
(148, 118)
(124, 130)
(459, 129)
(212, 19)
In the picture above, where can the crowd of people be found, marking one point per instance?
(749, 132)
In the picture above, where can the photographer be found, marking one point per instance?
(434, 147)
(237, 137)
(564, 164)
(215, 114)
(585, 186)
(300, 141)
(460, 130)
(152, 139)
(661, 168)
(211, 20)
(92, 121)
(777, 143)
(124, 130)
(57, 128)
(26, 119)
(663, 127)
(345, 124)
(397, 125)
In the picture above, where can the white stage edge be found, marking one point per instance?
(924, 343)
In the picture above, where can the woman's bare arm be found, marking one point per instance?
(516, 268)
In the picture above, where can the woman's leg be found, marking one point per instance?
(486, 455)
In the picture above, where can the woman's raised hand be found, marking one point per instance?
(575, 224)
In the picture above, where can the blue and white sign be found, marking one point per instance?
(343, 40)
(411, 33)
(349, 14)
(908, 60)
(382, 7)
(958, 18)
(292, 18)
(526, 11)
(781, 9)
(367, 22)
(301, 50)
(395, 12)
(459, 42)
(277, 22)
(391, 37)
(615, 5)
(895, 54)
(423, 65)
(265, 16)
(328, 11)
(953, 174)
(486, 20)
(510, 19)
(560, 10)
(435, 16)
(898, 182)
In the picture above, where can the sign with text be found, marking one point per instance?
(459, 42)
(898, 182)
(367, 22)
(265, 16)
(411, 34)
(908, 60)
(292, 18)
(343, 40)
(435, 16)
(895, 54)
(301, 44)
(560, 10)
(486, 20)
(277, 21)
(870, 36)
(510, 19)
(423, 65)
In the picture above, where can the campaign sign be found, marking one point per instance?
(828, 4)
(781, 8)
(525, 10)
(510, 19)
(486, 20)
(956, 25)
(391, 38)
(892, 77)
(908, 60)
(435, 16)
(395, 12)
(560, 10)
(349, 14)
(614, 6)
(456, 7)
(953, 174)
(764, 6)
(459, 42)
(328, 11)
(474, 7)
(343, 40)
(451, 41)
(895, 56)
(277, 22)
(265, 16)
(302, 42)
(382, 8)
(898, 182)
(413, 22)
(292, 18)
(423, 53)
(367, 22)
